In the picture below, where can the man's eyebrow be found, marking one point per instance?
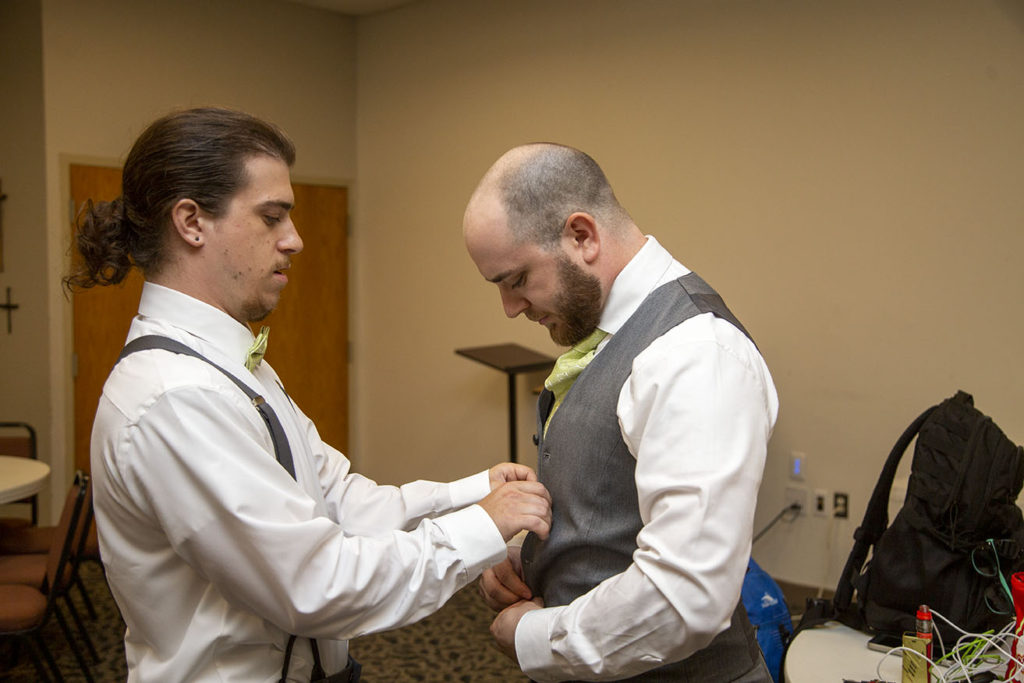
(280, 203)
(503, 276)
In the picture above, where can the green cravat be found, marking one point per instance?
(254, 354)
(569, 365)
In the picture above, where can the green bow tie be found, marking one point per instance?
(254, 354)
(569, 365)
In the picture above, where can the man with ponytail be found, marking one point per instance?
(238, 545)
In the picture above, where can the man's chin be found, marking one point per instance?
(560, 336)
(259, 313)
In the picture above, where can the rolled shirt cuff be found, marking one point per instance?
(469, 490)
(475, 537)
(533, 645)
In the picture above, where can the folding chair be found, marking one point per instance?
(28, 540)
(27, 600)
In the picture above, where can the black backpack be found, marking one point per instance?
(957, 539)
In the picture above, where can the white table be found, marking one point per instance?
(832, 652)
(21, 477)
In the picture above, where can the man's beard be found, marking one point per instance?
(256, 311)
(578, 304)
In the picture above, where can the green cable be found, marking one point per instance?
(999, 571)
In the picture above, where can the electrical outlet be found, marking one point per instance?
(798, 495)
(841, 505)
(820, 503)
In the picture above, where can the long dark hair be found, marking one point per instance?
(196, 154)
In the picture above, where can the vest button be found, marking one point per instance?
(536, 441)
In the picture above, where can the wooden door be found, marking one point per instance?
(308, 344)
(101, 314)
(309, 328)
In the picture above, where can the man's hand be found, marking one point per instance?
(503, 628)
(509, 471)
(518, 505)
(502, 585)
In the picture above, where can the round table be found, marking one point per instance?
(21, 477)
(834, 652)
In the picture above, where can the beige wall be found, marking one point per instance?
(846, 173)
(112, 67)
(24, 388)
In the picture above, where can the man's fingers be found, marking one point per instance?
(540, 525)
(525, 487)
(509, 578)
(519, 505)
(510, 471)
(496, 594)
(503, 628)
(535, 508)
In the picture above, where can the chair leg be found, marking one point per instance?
(81, 627)
(37, 663)
(36, 642)
(11, 652)
(85, 596)
(71, 641)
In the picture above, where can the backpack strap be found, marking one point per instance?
(282, 451)
(876, 517)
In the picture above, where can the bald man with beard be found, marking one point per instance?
(654, 453)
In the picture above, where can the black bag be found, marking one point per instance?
(957, 539)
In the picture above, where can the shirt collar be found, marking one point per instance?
(196, 318)
(650, 268)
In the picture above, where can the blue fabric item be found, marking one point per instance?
(766, 607)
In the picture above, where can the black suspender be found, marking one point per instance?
(282, 450)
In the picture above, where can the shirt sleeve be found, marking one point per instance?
(696, 412)
(199, 462)
(363, 507)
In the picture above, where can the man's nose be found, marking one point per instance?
(291, 243)
(513, 304)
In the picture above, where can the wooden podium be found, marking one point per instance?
(512, 359)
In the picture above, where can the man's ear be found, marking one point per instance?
(582, 235)
(188, 221)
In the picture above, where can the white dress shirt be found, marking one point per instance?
(215, 554)
(696, 412)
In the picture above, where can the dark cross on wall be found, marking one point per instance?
(7, 306)
(10, 307)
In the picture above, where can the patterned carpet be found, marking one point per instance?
(451, 645)
(106, 633)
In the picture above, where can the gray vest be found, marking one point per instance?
(586, 466)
